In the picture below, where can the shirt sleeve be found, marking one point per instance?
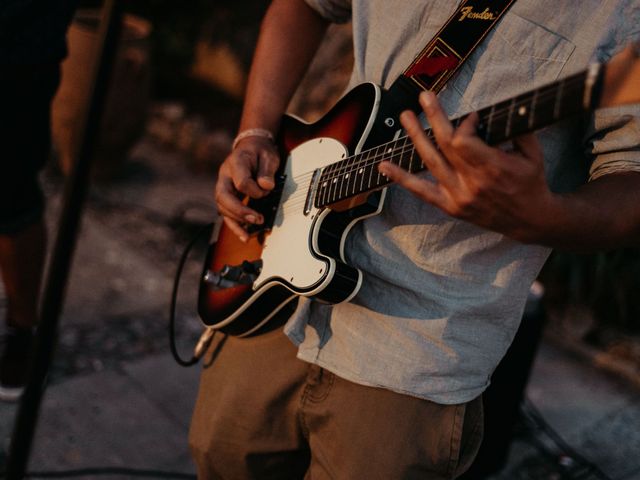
(336, 11)
(613, 141)
(613, 135)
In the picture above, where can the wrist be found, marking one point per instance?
(252, 132)
(546, 225)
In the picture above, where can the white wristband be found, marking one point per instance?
(251, 132)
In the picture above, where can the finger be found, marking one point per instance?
(430, 156)
(231, 206)
(529, 146)
(236, 228)
(242, 175)
(267, 167)
(468, 127)
(426, 190)
(440, 124)
(467, 148)
(244, 215)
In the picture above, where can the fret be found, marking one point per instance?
(507, 128)
(412, 156)
(558, 100)
(333, 181)
(371, 168)
(388, 155)
(532, 109)
(368, 173)
(322, 190)
(345, 176)
(337, 193)
(419, 166)
(521, 115)
(489, 122)
(404, 155)
(526, 112)
(327, 190)
(324, 184)
(498, 124)
(354, 176)
(330, 184)
(362, 171)
(397, 155)
(545, 106)
(339, 187)
(485, 118)
(407, 154)
(333, 191)
(339, 184)
(573, 97)
(401, 147)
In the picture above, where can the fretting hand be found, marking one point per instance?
(498, 190)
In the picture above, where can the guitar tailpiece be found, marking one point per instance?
(233, 276)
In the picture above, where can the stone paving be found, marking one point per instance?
(596, 415)
(117, 399)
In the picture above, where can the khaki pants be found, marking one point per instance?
(263, 414)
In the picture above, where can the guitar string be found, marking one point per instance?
(364, 159)
(497, 115)
(349, 166)
(330, 192)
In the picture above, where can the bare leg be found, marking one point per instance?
(22, 257)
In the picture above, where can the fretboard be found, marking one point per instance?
(498, 123)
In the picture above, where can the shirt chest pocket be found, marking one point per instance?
(517, 56)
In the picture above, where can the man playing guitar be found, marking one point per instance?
(388, 384)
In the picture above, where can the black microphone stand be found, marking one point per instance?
(58, 272)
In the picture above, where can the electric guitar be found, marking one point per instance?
(329, 180)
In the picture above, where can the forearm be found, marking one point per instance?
(289, 37)
(601, 215)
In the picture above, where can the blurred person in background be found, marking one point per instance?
(32, 45)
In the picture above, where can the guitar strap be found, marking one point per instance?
(446, 51)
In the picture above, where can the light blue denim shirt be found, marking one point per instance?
(442, 298)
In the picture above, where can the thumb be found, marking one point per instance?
(268, 162)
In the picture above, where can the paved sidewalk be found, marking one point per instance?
(136, 418)
(596, 414)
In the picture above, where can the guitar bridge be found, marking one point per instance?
(311, 193)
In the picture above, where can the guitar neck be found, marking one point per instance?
(498, 123)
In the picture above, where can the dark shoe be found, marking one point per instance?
(14, 362)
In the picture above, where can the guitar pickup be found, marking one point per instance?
(233, 276)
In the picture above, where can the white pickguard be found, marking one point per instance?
(287, 252)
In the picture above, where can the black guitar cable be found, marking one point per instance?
(207, 335)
